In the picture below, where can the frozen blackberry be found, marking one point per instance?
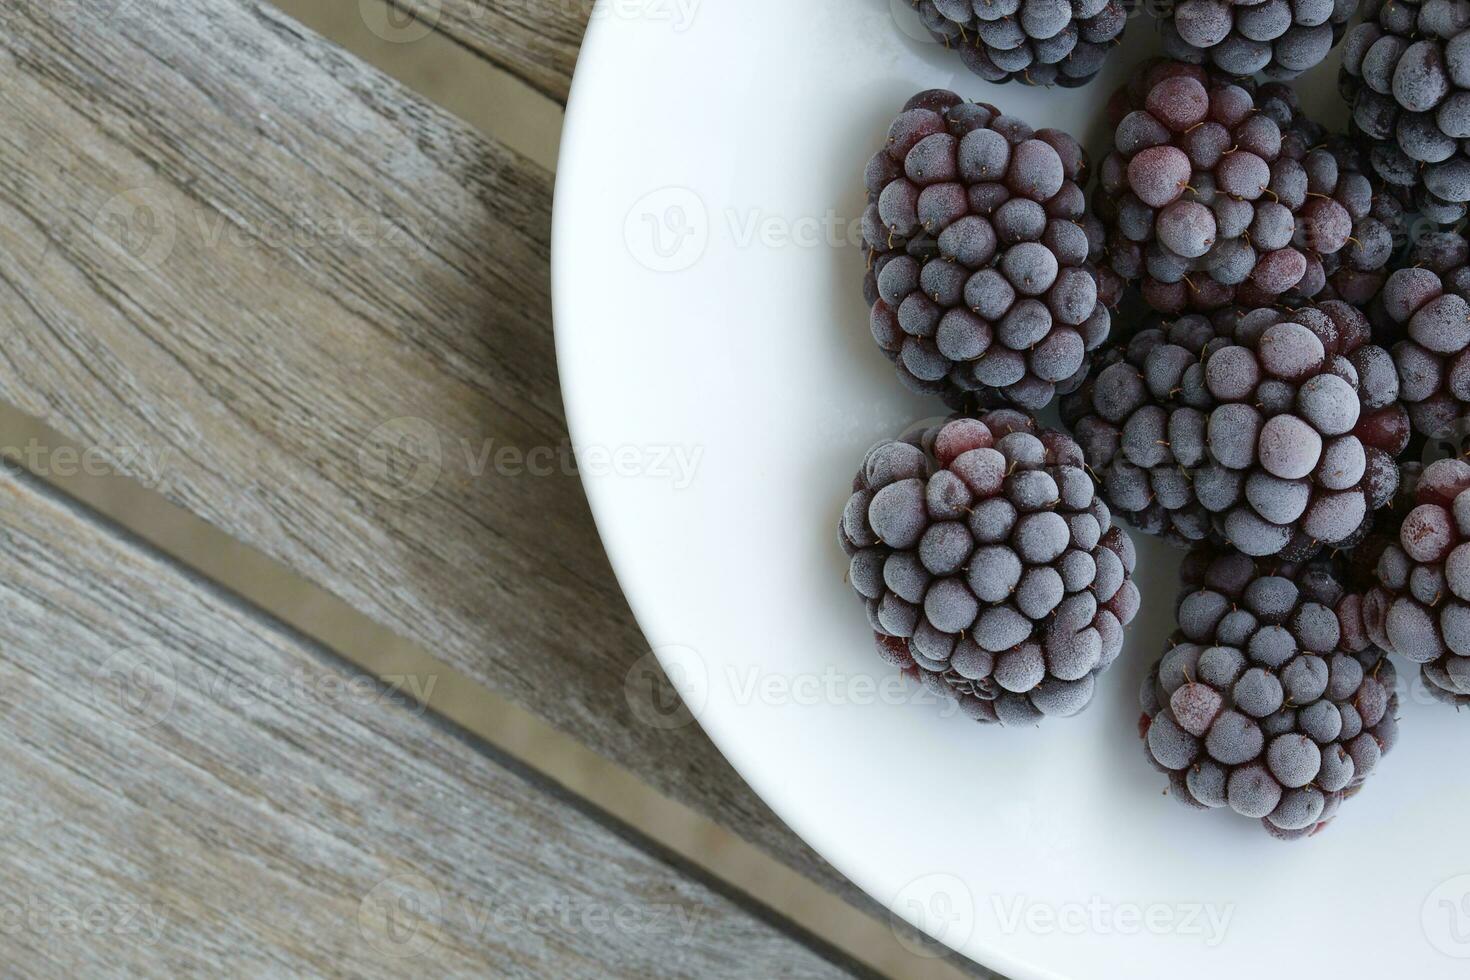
(1274, 431)
(1330, 169)
(1425, 304)
(1277, 38)
(1420, 606)
(1037, 42)
(991, 571)
(1406, 74)
(1207, 202)
(979, 255)
(1446, 254)
(1271, 700)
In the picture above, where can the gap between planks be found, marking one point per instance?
(544, 750)
(439, 68)
(311, 827)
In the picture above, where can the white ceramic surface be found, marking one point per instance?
(708, 303)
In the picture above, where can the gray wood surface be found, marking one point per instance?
(246, 292)
(188, 788)
(535, 40)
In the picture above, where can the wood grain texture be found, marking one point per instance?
(249, 292)
(458, 79)
(189, 787)
(535, 40)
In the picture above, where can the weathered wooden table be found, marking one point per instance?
(302, 672)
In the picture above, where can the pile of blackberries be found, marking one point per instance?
(1283, 364)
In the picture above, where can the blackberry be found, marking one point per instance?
(1446, 254)
(1271, 700)
(1406, 74)
(1426, 305)
(1419, 607)
(991, 571)
(1278, 38)
(979, 255)
(1208, 200)
(1274, 431)
(1037, 42)
(1332, 167)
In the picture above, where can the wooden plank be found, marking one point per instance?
(244, 291)
(492, 98)
(188, 786)
(535, 40)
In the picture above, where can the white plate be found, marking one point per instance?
(710, 150)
